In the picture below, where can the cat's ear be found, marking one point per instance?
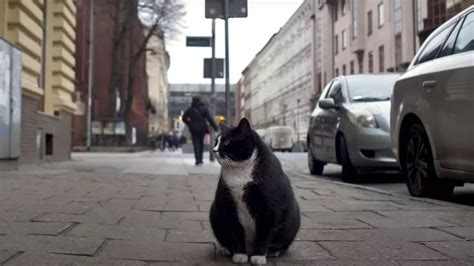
(244, 127)
(223, 126)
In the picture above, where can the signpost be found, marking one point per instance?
(198, 41)
(219, 68)
(226, 9)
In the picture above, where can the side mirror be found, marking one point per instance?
(327, 103)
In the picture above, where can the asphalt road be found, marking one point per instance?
(297, 162)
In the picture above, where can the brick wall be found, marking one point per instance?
(33, 122)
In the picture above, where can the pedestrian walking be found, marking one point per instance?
(195, 118)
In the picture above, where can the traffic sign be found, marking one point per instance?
(219, 72)
(199, 41)
(237, 9)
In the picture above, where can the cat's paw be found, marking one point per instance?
(240, 258)
(258, 260)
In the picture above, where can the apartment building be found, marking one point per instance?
(277, 84)
(44, 31)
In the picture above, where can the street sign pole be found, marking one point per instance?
(213, 87)
(227, 60)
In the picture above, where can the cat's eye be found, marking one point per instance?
(226, 142)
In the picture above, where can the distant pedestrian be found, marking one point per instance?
(195, 118)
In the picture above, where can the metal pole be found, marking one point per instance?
(90, 74)
(298, 121)
(227, 85)
(213, 87)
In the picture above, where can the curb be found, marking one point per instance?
(384, 192)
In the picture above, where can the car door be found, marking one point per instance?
(452, 95)
(326, 122)
(316, 129)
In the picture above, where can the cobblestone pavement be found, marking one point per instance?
(152, 209)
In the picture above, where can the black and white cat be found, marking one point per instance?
(254, 213)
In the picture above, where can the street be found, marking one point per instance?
(151, 208)
(386, 182)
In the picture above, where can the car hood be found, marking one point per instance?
(375, 108)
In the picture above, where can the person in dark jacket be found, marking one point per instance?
(195, 118)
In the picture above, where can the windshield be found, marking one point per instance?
(370, 88)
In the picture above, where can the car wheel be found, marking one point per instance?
(349, 172)
(315, 167)
(418, 167)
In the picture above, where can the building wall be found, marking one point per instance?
(279, 80)
(157, 64)
(45, 32)
(103, 104)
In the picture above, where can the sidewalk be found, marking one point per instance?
(152, 209)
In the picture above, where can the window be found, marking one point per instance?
(352, 67)
(354, 19)
(361, 66)
(369, 22)
(449, 45)
(397, 16)
(344, 39)
(431, 49)
(336, 92)
(381, 59)
(371, 62)
(336, 44)
(335, 11)
(337, 72)
(49, 144)
(380, 14)
(465, 41)
(343, 69)
(343, 7)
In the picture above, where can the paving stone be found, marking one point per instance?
(204, 206)
(34, 259)
(32, 228)
(311, 206)
(94, 216)
(402, 221)
(117, 232)
(381, 250)
(152, 219)
(462, 232)
(359, 205)
(302, 250)
(158, 251)
(336, 262)
(50, 244)
(190, 235)
(5, 255)
(459, 249)
(432, 263)
(191, 216)
(329, 222)
(71, 208)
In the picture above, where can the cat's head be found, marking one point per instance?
(235, 146)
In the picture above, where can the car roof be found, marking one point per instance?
(438, 30)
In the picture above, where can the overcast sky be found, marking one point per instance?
(247, 37)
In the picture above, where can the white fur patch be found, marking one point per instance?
(258, 260)
(236, 176)
(216, 148)
(240, 258)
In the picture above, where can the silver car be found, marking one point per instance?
(433, 108)
(350, 126)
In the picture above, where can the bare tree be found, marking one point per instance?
(159, 18)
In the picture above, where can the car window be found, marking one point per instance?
(336, 92)
(465, 40)
(431, 49)
(370, 89)
(449, 45)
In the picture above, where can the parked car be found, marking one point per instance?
(350, 126)
(432, 111)
(261, 133)
(280, 138)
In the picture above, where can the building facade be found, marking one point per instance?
(278, 83)
(180, 95)
(45, 32)
(109, 128)
(157, 65)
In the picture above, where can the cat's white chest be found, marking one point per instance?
(236, 180)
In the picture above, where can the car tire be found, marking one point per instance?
(315, 167)
(418, 167)
(349, 172)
